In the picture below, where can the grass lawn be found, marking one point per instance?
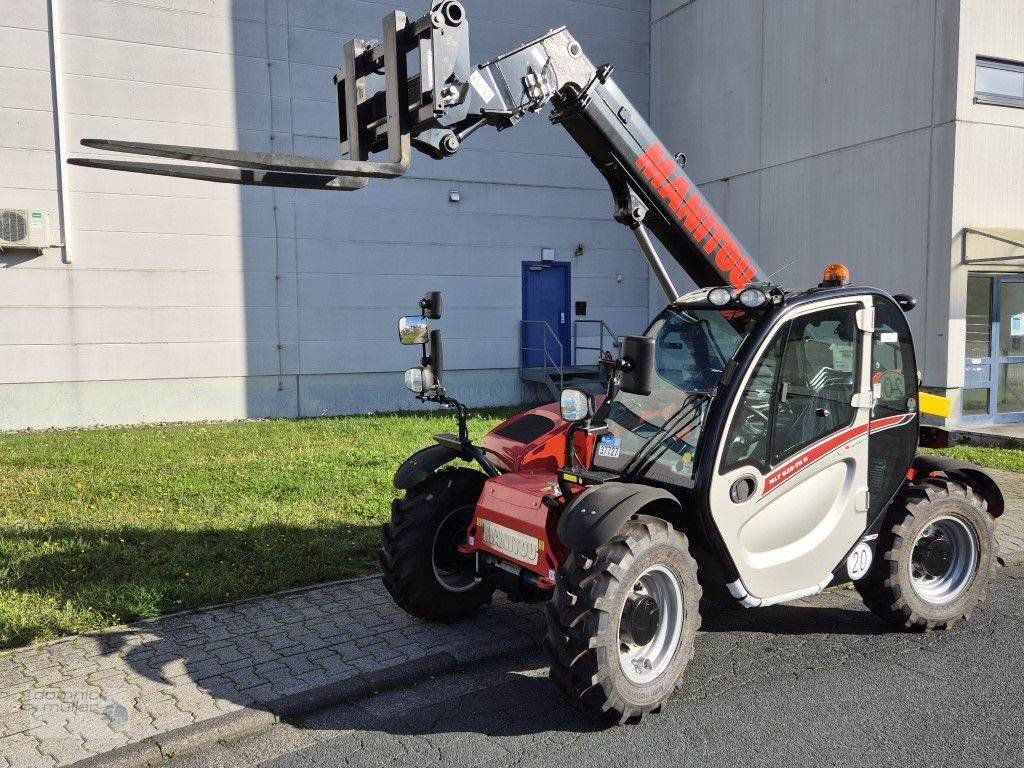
(997, 458)
(99, 527)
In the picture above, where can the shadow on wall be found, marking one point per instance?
(123, 574)
(263, 110)
(322, 288)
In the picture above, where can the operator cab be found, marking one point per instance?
(802, 390)
(654, 437)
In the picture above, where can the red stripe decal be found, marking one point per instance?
(790, 468)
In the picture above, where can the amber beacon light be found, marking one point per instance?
(835, 275)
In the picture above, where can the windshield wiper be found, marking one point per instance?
(693, 402)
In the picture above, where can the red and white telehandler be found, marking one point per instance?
(754, 441)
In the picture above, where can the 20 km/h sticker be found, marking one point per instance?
(859, 561)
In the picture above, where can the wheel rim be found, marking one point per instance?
(650, 625)
(447, 537)
(944, 560)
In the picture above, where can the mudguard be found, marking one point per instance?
(597, 514)
(970, 474)
(418, 467)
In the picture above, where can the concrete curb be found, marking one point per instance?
(231, 725)
(138, 754)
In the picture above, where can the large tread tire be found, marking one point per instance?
(583, 621)
(887, 588)
(407, 554)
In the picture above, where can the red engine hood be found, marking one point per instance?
(534, 440)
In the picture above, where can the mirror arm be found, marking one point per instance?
(570, 452)
(470, 452)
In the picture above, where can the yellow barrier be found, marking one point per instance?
(934, 405)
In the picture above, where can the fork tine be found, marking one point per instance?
(241, 176)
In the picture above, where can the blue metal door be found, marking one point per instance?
(546, 297)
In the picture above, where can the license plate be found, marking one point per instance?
(516, 545)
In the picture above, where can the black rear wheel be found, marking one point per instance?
(936, 552)
(622, 621)
(420, 556)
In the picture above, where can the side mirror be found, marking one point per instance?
(576, 405)
(413, 330)
(637, 365)
(906, 303)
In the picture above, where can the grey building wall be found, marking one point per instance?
(989, 164)
(180, 300)
(828, 130)
(823, 131)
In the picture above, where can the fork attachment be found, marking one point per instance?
(384, 121)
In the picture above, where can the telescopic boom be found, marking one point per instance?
(447, 100)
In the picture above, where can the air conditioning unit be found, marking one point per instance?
(24, 229)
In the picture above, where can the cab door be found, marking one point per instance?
(790, 491)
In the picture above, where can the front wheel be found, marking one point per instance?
(419, 555)
(622, 621)
(937, 550)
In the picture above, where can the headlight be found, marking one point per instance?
(419, 379)
(574, 404)
(720, 296)
(414, 380)
(753, 297)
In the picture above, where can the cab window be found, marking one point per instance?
(893, 371)
(749, 440)
(817, 381)
(894, 389)
(801, 390)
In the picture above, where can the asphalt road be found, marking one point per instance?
(808, 686)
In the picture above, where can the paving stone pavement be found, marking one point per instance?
(80, 696)
(66, 700)
(1010, 527)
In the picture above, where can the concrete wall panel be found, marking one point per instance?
(703, 106)
(839, 73)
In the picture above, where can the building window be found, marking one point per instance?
(999, 82)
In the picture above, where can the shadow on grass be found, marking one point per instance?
(63, 581)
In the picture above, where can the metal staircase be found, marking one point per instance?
(554, 373)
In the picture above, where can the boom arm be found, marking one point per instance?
(437, 109)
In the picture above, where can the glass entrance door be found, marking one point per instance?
(994, 382)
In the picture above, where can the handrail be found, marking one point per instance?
(542, 349)
(602, 327)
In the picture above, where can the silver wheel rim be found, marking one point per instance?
(941, 578)
(451, 580)
(643, 663)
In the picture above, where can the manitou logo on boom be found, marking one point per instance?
(687, 205)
